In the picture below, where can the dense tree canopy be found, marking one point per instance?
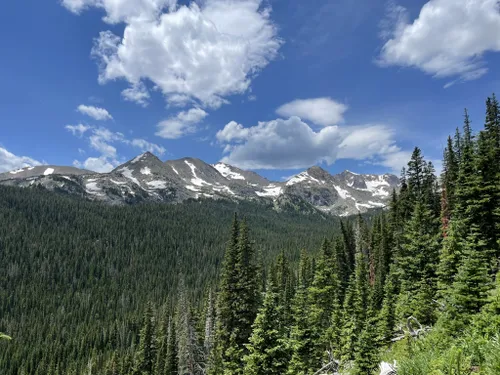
(197, 289)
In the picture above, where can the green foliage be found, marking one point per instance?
(76, 279)
(268, 350)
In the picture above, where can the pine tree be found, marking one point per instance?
(472, 283)
(284, 288)
(188, 350)
(246, 302)
(387, 315)
(225, 318)
(171, 364)
(322, 294)
(268, 352)
(303, 338)
(418, 260)
(209, 324)
(366, 359)
(416, 175)
(146, 354)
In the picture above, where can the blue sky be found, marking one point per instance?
(275, 86)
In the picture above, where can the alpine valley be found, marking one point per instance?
(147, 179)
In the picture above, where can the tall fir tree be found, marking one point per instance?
(146, 353)
(268, 352)
(302, 343)
(246, 302)
(225, 319)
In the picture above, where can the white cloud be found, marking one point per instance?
(448, 39)
(321, 111)
(100, 164)
(204, 52)
(10, 162)
(96, 113)
(183, 123)
(121, 10)
(137, 93)
(104, 142)
(144, 145)
(293, 144)
(78, 130)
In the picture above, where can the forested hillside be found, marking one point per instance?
(75, 276)
(88, 289)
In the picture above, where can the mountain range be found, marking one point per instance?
(148, 179)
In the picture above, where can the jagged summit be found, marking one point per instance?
(146, 178)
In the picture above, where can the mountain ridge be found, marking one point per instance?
(146, 178)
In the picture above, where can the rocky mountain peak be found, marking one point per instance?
(146, 178)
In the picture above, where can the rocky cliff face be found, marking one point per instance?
(147, 179)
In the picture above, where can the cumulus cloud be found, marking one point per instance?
(183, 123)
(78, 130)
(293, 144)
(448, 39)
(137, 93)
(96, 113)
(121, 10)
(10, 162)
(321, 111)
(100, 164)
(104, 142)
(203, 51)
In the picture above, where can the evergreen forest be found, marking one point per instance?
(224, 288)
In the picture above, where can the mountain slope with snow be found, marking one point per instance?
(147, 179)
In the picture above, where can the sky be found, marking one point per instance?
(275, 86)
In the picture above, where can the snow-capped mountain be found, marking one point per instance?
(147, 179)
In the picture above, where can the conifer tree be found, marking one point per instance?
(146, 353)
(418, 260)
(284, 288)
(303, 338)
(268, 353)
(366, 357)
(472, 283)
(322, 294)
(246, 302)
(188, 349)
(225, 318)
(161, 344)
(387, 315)
(171, 364)
(209, 324)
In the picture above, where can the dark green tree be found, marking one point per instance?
(268, 352)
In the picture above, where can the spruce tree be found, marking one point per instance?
(472, 283)
(188, 348)
(268, 353)
(146, 353)
(302, 343)
(418, 259)
(225, 318)
(322, 294)
(387, 315)
(366, 359)
(171, 364)
(246, 302)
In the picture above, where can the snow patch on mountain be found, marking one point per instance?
(157, 184)
(270, 191)
(146, 171)
(195, 180)
(227, 172)
(48, 171)
(128, 174)
(301, 177)
(344, 194)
